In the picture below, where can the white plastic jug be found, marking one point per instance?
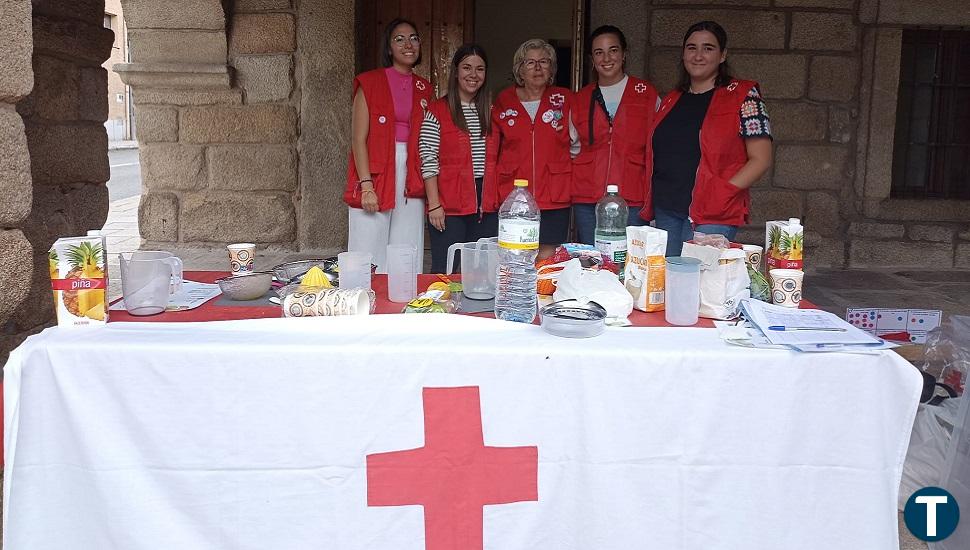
(148, 278)
(479, 264)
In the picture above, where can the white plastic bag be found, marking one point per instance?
(600, 286)
(724, 279)
(926, 456)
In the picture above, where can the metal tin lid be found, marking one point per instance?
(573, 318)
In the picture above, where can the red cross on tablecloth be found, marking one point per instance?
(454, 474)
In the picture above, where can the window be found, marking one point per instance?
(931, 156)
(108, 20)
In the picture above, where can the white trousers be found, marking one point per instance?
(373, 231)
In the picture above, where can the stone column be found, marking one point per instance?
(327, 59)
(215, 120)
(63, 123)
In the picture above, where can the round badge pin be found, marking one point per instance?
(547, 116)
(511, 122)
(382, 119)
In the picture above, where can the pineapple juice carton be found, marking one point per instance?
(784, 243)
(79, 279)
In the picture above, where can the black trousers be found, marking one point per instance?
(458, 229)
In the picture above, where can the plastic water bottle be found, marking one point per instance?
(611, 219)
(518, 244)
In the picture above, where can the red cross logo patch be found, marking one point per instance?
(640, 87)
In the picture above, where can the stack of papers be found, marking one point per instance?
(810, 330)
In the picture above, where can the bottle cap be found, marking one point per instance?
(521, 183)
(612, 188)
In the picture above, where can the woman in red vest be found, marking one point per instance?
(532, 119)
(711, 142)
(458, 151)
(612, 118)
(384, 189)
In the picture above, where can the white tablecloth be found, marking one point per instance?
(255, 435)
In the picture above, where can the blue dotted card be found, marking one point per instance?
(883, 321)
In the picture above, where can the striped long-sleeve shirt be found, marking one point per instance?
(429, 142)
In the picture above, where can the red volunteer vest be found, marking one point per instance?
(715, 200)
(537, 151)
(380, 140)
(618, 155)
(456, 174)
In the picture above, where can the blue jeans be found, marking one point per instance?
(585, 215)
(679, 229)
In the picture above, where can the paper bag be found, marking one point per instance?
(645, 265)
(724, 279)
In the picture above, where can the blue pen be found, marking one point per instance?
(825, 329)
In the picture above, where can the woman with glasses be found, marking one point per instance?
(384, 190)
(532, 121)
(458, 151)
(612, 119)
(711, 142)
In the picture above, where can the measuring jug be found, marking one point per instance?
(479, 264)
(148, 277)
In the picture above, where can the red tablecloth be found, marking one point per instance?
(211, 312)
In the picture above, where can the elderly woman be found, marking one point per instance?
(711, 142)
(612, 119)
(532, 122)
(384, 187)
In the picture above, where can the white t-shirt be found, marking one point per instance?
(613, 94)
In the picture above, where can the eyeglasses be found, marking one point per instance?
(400, 39)
(531, 63)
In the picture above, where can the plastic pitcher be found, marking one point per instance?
(148, 278)
(683, 290)
(479, 264)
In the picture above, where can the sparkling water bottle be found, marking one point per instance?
(518, 242)
(611, 219)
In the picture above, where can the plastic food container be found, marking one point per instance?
(573, 319)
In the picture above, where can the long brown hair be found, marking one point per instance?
(724, 76)
(482, 99)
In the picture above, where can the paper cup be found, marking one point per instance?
(753, 255)
(786, 287)
(242, 258)
(328, 303)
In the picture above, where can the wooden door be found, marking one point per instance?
(444, 25)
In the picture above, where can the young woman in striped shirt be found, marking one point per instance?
(458, 154)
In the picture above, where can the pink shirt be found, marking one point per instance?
(402, 90)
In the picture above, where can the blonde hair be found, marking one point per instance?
(519, 59)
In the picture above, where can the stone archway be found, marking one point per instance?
(243, 118)
(54, 163)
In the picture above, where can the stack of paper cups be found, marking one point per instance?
(329, 302)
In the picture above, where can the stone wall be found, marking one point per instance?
(55, 50)
(16, 81)
(805, 54)
(829, 72)
(217, 119)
